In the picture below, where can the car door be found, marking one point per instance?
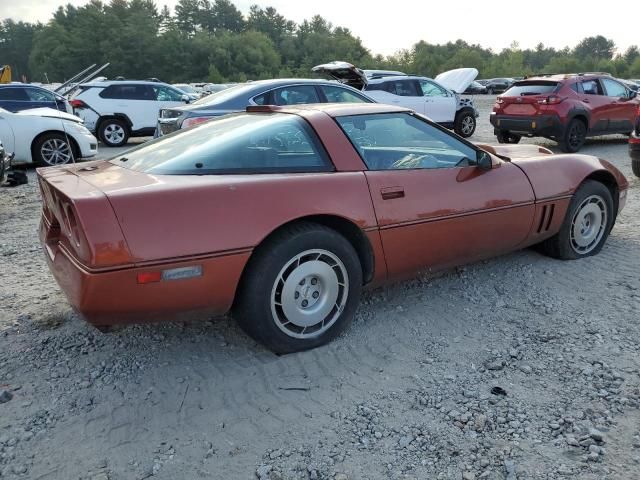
(434, 206)
(440, 105)
(622, 110)
(402, 92)
(598, 104)
(136, 101)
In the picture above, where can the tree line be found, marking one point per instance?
(211, 40)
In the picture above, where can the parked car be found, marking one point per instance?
(498, 85)
(117, 110)
(22, 96)
(565, 108)
(283, 214)
(189, 90)
(438, 99)
(634, 146)
(475, 88)
(45, 136)
(263, 92)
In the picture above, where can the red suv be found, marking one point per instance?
(564, 108)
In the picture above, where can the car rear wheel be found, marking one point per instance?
(574, 136)
(586, 225)
(507, 137)
(300, 289)
(465, 124)
(113, 132)
(53, 149)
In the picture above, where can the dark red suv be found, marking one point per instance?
(564, 108)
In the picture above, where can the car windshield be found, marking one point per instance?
(223, 95)
(522, 89)
(238, 143)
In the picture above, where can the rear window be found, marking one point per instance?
(521, 89)
(128, 92)
(239, 143)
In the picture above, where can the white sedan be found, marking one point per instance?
(46, 136)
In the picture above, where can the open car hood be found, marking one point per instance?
(50, 112)
(457, 80)
(344, 72)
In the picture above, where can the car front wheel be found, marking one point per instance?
(113, 132)
(635, 166)
(53, 149)
(300, 289)
(586, 225)
(465, 124)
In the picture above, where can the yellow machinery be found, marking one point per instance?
(5, 74)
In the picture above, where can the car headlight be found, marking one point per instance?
(77, 127)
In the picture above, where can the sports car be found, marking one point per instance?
(281, 215)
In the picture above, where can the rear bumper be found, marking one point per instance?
(538, 125)
(116, 297)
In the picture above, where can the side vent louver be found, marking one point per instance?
(546, 218)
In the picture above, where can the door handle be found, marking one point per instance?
(389, 193)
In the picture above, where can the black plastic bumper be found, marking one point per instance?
(537, 126)
(634, 148)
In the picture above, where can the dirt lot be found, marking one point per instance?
(405, 393)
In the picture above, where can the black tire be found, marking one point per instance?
(265, 276)
(635, 166)
(53, 149)
(573, 136)
(504, 136)
(113, 132)
(465, 123)
(561, 245)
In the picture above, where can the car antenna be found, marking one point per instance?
(66, 134)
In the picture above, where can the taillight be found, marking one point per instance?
(551, 100)
(78, 104)
(190, 122)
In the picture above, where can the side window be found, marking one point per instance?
(38, 95)
(613, 88)
(430, 89)
(341, 95)
(295, 95)
(128, 92)
(404, 88)
(14, 93)
(165, 94)
(577, 87)
(397, 141)
(261, 99)
(591, 87)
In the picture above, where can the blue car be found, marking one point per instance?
(23, 96)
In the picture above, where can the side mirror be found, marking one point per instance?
(632, 94)
(483, 160)
(185, 98)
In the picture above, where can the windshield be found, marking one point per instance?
(238, 143)
(223, 95)
(533, 87)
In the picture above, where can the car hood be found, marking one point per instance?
(344, 72)
(51, 113)
(457, 80)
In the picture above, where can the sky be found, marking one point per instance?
(386, 27)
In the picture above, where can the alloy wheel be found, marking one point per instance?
(588, 224)
(309, 294)
(55, 151)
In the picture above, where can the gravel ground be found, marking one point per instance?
(521, 367)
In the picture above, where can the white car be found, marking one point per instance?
(119, 109)
(439, 99)
(46, 136)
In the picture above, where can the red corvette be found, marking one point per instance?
(282, 215)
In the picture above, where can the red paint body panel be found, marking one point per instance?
(129, 222)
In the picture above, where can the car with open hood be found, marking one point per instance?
(46, 136)
(282, 215)
(439, 99)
